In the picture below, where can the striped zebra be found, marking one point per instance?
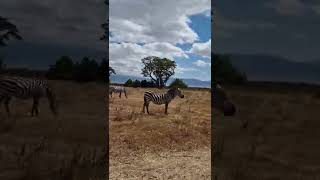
(117, 89)
(221, 101)
(25, 88)
(161, 98)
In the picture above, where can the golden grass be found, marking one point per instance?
(159, 146)
(273, 136)
(31, 148)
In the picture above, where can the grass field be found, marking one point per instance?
(159, 146)
(31, 148)
(275, 135)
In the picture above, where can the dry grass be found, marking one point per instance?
(31, 148)
(159, 146)
(273, 136)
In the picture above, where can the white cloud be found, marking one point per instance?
(146, 21)
(201, 63)
(125, 58)
(151, 28)
(202, 49)
(180, 70)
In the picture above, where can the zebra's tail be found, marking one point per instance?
(52, 101)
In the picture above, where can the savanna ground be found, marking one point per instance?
(32, 148)
(159, 146)
(275, 135)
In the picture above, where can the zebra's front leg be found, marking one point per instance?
(120, 95)
(166, 109)
(35, 105)
(147, 106)
(6, 103)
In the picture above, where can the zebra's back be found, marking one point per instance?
(117, 89)
(156, 98)
(22, 87)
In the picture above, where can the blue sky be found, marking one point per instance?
(182, 34)
(201, 24)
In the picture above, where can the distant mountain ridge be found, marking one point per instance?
(190, 82)
(273, 68)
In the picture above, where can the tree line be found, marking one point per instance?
(85, 70)
(151, 84)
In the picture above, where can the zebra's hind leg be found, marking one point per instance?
(120, 95)
(147, 106)
(6, 103)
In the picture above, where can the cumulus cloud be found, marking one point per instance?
(180, 70)
(202, 49)
(147, 21)
(125, 58)
(201, 63)
(151, 28)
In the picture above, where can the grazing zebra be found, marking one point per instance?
(117, 89)
(221, 101)
(161, 98)
(24, 88)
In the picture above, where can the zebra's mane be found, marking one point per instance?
(172, 91)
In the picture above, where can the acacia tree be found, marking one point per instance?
(158, 69)
(7, 31)
(111, 71)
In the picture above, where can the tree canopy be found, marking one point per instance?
(158, 69)
(224, 71)
(8, 30)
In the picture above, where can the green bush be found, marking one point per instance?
(178, 83)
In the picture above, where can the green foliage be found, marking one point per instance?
(129, 83)
(136, 83)
(178, 83)
(224, 71)
(8, 30)
(62, 69)
(158, 69)
(86, 70)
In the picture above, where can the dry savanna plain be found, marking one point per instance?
(32, 148)
(274, 135)
(159, 146)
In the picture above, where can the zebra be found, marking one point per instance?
(221, 101)
(161, 98)
(117, 89)
(25, 88)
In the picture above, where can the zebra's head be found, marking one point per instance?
(176, 92)
(221, 101)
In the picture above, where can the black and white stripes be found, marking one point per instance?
(117, 89)
(25, 88)
(161, 98)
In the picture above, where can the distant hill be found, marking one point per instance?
(190, 82)
(273, 68)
